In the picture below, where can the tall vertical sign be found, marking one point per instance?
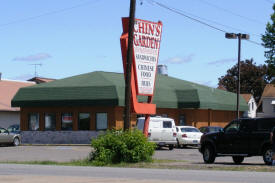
(146, 44)
(147, 36)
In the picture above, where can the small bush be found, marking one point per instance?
(118, 146)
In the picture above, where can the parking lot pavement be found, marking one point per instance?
(193, 156)
(44, 153)
(68, 153)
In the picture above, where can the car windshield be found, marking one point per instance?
(13, 128)
(214, 129)
(3, 130)
(189, 130)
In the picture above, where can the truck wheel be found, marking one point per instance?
(238, 159)
(171, 147)
(16, 141)
(267, 156)
(208, 154)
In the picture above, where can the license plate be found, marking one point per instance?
(161, 143)
(195, 141)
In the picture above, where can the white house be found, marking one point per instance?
(267, 102)
(252, 106)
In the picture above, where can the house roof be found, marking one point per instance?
(246, 96)
(107, 89)
(8, 89)
(221, 87)
(269, 91)
(41, 80)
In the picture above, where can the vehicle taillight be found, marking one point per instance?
(184, 135)
(174, 134)
(149, 134)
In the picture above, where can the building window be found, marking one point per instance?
(34, 121)
(67, 121)
(50, 121)
(84, 121)
(273, 108)
(182, 120)
(101, 121)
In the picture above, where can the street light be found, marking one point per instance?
(240, 37)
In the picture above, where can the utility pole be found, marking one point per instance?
(239, 75)
(127, 108)
(240, 37)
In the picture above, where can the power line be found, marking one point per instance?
(217, 23)
(47, 13)
(231, 12)
(191, 18)
(254, 42)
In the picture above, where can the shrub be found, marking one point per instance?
(118, 146)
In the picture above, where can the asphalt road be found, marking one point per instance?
(68, 153)
(69, 174)
(44, 174)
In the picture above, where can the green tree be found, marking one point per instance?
(252, 78)
(268, 42)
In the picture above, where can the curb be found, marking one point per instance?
(55, 144)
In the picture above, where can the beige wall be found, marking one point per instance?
(8, 118)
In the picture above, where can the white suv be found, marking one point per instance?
(161, 130)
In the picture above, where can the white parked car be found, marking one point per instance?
(161, 130)
(188, 135)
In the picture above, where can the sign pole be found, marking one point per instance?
(127, 108)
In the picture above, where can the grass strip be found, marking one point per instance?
(158, 164)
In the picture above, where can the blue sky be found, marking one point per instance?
(71, 37)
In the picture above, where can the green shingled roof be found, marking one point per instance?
(107, 89)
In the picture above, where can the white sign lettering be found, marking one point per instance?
(147, 36)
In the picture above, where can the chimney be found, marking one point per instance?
(163, 70)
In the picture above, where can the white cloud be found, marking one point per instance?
(180, 60)
(222, 61)
(207, 83)
(36, 57)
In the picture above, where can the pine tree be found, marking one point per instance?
(268, 42)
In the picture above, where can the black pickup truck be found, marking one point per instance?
(241, 138)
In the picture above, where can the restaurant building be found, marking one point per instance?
(75, 109)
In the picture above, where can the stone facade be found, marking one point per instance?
(58, 137)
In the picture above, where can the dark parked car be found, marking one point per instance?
(207, 129)
(241, 138)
